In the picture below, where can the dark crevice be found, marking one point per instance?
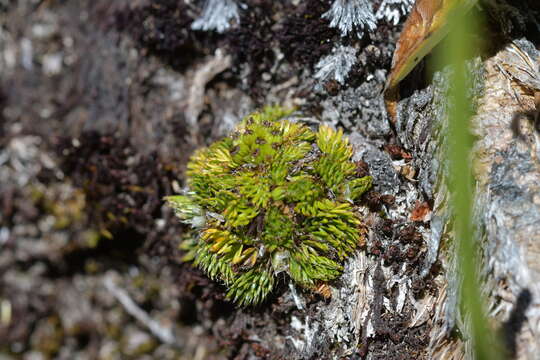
(511, 328)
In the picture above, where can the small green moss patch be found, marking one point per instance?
(272, 197)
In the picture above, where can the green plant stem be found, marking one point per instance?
(458, 49)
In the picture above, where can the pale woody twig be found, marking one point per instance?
(164, 334)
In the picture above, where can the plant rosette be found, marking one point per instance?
(273, 197)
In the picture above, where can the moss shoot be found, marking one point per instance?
(273, 197)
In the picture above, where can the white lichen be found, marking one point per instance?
(393, 10)
(347, 15)
(217, 15)
(337, 65)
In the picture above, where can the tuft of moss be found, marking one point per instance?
(273, 197)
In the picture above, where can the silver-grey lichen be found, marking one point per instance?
(217, 15)
(393, 10)
(350, 15)
(337, 65)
